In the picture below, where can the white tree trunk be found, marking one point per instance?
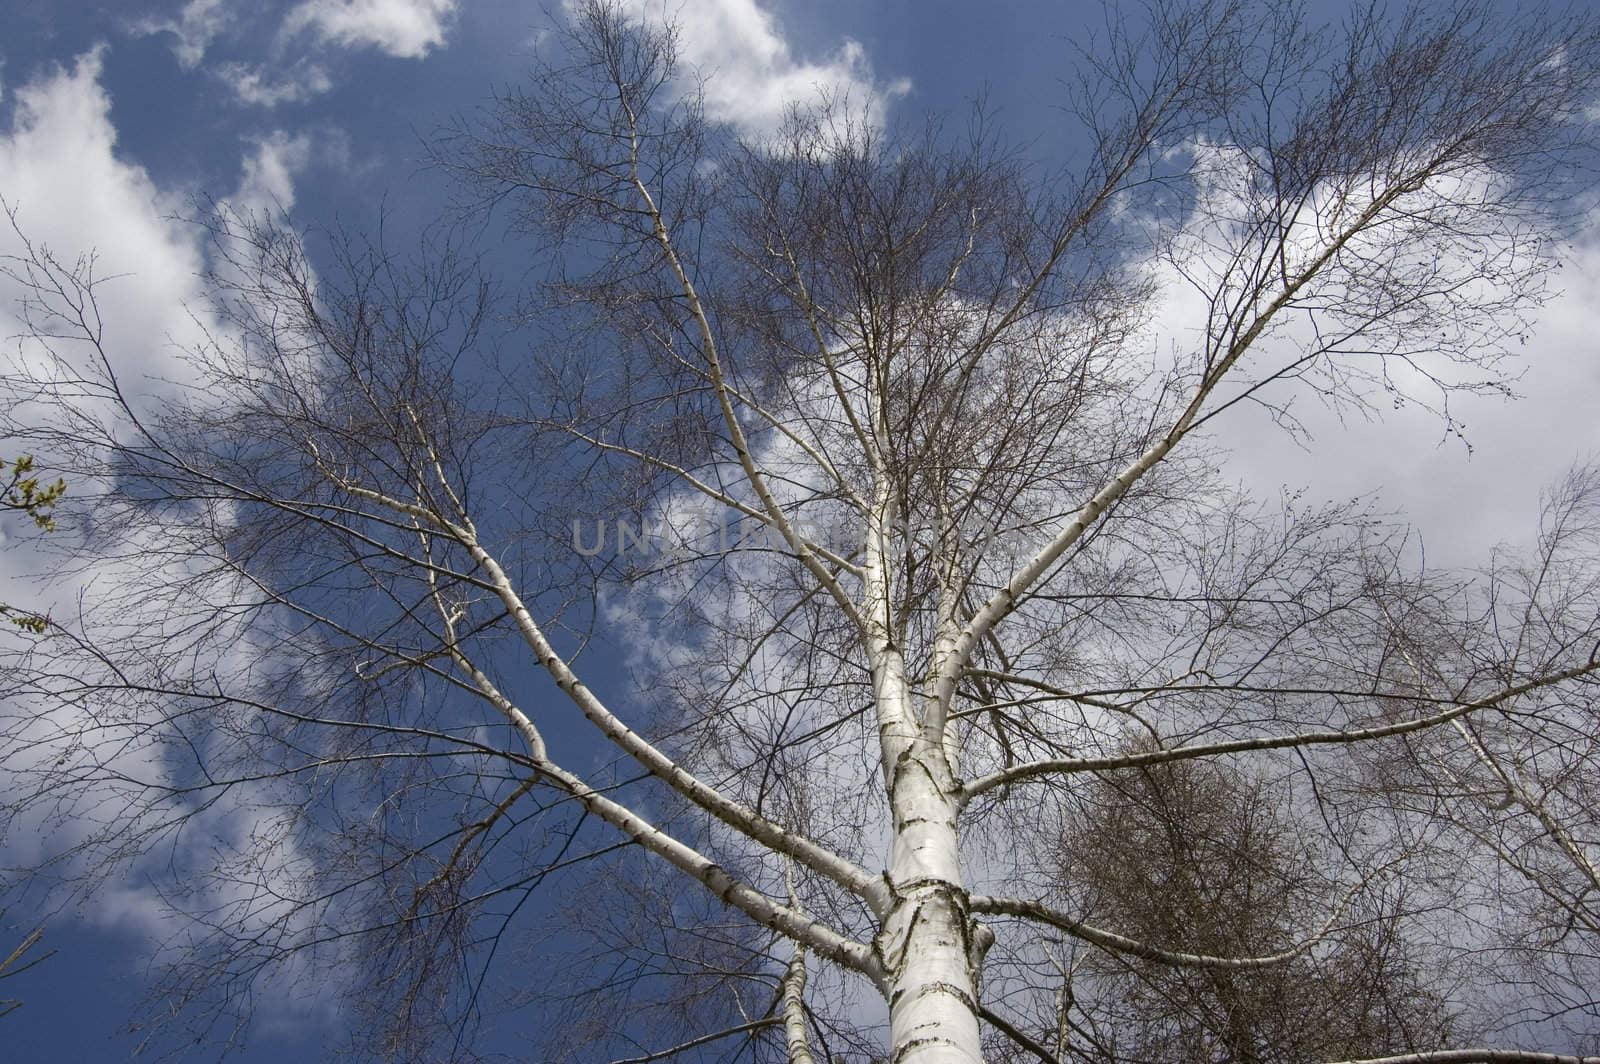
(795, 1039)
(926, 944)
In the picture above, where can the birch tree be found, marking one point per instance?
(941, 543)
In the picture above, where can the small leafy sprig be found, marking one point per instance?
(23, 493)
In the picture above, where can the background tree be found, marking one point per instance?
(1209, 862)
(978, 537)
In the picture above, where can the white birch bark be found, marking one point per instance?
(926, 945)
(796, 1042)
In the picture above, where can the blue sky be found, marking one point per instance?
(114, 115)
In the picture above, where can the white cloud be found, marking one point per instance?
(405, 29)
(268, 179)
(59, 170)
(262, 85)
(1463, 500)
(71, 193)
(198, 24)
(272, 73)
(752, 74)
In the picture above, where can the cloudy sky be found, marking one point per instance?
(114, 115)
